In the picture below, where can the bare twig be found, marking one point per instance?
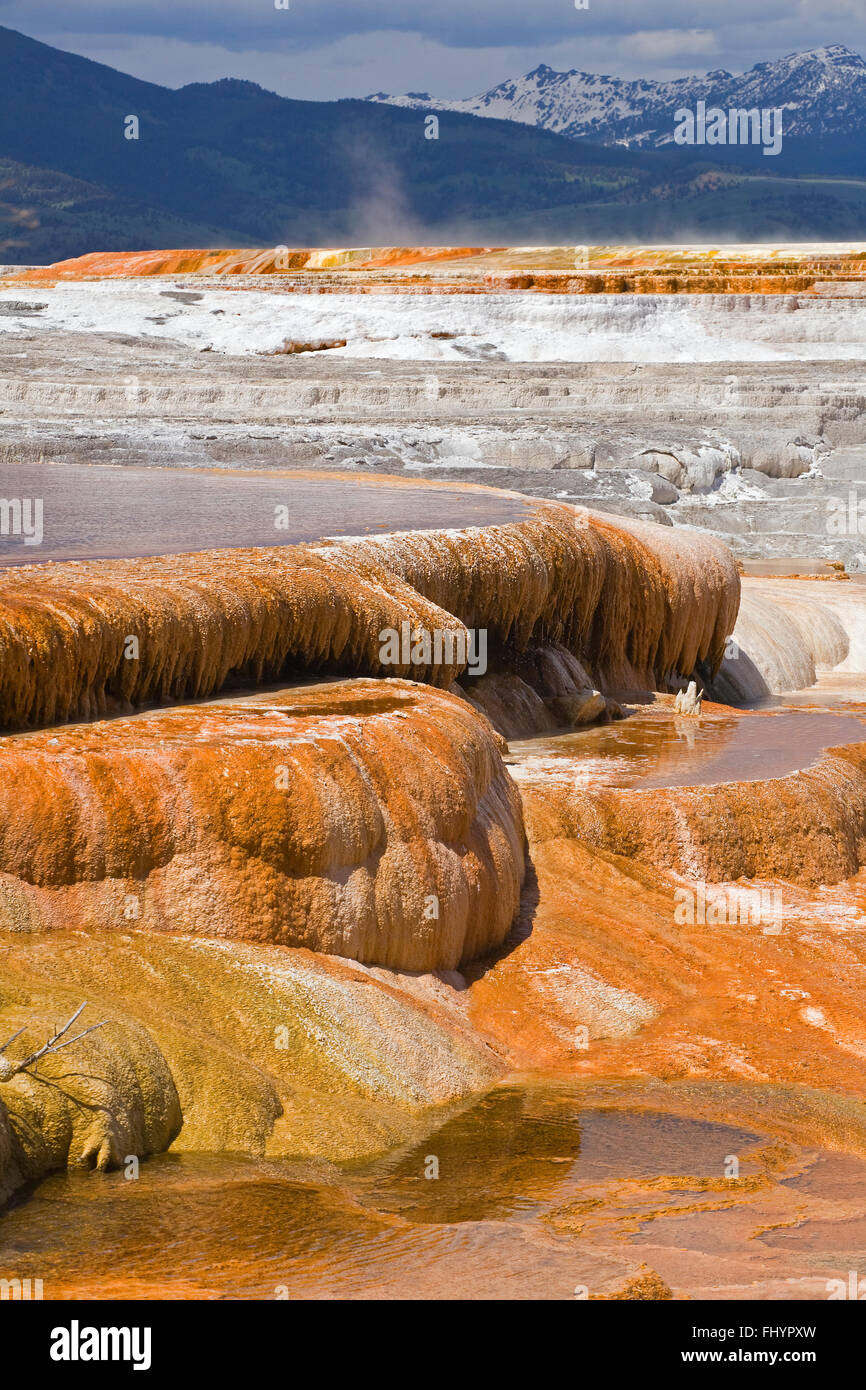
(9, 1069)
(12, 1039)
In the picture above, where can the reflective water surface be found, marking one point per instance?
(109, 511)
(658, 749)
(521, 1171)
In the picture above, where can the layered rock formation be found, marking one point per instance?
(637, 606)
(118, 1100)
(594, 400)
(309, 916)
(808, 828)
(370, 822)
(359, 820)
(213, 878)
(548, 269)
(372, 819)
(585, 385)
(790, 633)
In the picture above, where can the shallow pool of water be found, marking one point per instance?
(658, 749)
(107, 511)
(202, 1226)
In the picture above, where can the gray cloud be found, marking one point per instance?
(330, 48)
(454, 23)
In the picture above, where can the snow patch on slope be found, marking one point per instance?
(823, 92)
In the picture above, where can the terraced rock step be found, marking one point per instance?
(636, 604)
(728, 442)
(549, 269)
(361, 820)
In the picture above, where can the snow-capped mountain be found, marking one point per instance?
(823, 93)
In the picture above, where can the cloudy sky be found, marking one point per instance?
(322, 49)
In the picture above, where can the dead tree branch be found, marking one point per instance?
(9, 1069)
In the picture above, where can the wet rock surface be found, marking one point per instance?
(739, 414)
(341, 927)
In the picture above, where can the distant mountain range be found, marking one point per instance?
(229, 164)
(822, 93)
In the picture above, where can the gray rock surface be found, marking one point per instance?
(770, 457)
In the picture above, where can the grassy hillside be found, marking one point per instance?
(229, 163)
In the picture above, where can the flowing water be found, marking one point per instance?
(535, 1190)
(531, 1191)
(520, 1170)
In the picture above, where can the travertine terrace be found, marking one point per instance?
(718, 387)
(252, 843)
(547, 269)
(637, 605)
(329, 819)
(808, 828)
(327, 904)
